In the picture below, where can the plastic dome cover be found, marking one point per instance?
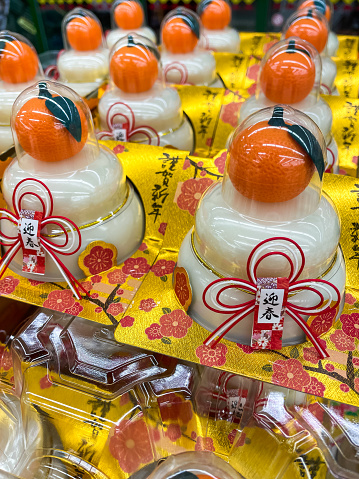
(51, 124)
(19, 62)
(180, 31)
(309, 25)
(127, 14)
(292, 63)
(275, 160)
(135, 64)
(325, 7)
(82, 31)
(215, 14)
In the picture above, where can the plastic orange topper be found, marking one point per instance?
(310, 26)
(181, 31)
(84, 33)
(18, 60)
(134, 67)
(267, 163)
(214, 14)
(318, 5)
(288, 74)
(51, 128)
(128, 14)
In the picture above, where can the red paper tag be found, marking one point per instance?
(33, 253)
(271, 300)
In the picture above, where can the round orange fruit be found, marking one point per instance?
(178, 36)
(43, 135)
(134, 68)
(129, 15)
(84, 33)
(18, 62)
(318, 5)
(288, 76)
(266, 164)
(311, 29)
(215, 14)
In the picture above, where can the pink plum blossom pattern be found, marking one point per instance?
(246, 349)
(315, 387)
(342, 341)
(324, 321)
(118, 149)
(191, 193)
(173, 432)
(162, 228)
(8, 285)
(175, 324)
(99, 259)
(220, 162)
(147, 305)
(127, 321)
(75, 309)
(350, 324)
(117, 276)
(115, 309)
(163, 267)
(204, 444)
(349, 298)
(136, 267)
(230, 113)
(212, 356)
(290, 373)
(154, 332)
(60, 300)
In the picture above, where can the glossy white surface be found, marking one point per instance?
(226, 40)
(199, 65)
(85, 192)
(200, 277)
(125, 230)
(332, 157)
(6, 139)
(8, 94)
(318, 110)
(84, 89)
(332, 44)
(115, 35)
(83, 67)
(329, 72)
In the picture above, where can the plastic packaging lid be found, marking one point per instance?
(19, 62)
(128, 14)
(134, 64)
(180, 30)
(82, 30)
(194, 465)
(309, 25)
(321, 6)
(292, 63)
(274, 155)
(50, 122)
(215, 14)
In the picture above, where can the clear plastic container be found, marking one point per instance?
(83, 64)
(128, 17)
(296, 63)
(310, 25)
(138, 106)
(217, 35)
(184, 61)
(272, 188)
(19, 68)
(56, 145)
(325, 7)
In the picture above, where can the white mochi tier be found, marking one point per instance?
(115, 35)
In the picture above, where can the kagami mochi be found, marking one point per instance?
(290, 74)
(138, 106)
(268, 220)
(310, 25)
(59, 160)
(19, 68)
(325, 7)
(217, 35)
(83, 65)
(128, 17)
(184, 61)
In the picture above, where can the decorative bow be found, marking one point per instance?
(212, 293)
(128, 125)
(181, 69)
(68, 228)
